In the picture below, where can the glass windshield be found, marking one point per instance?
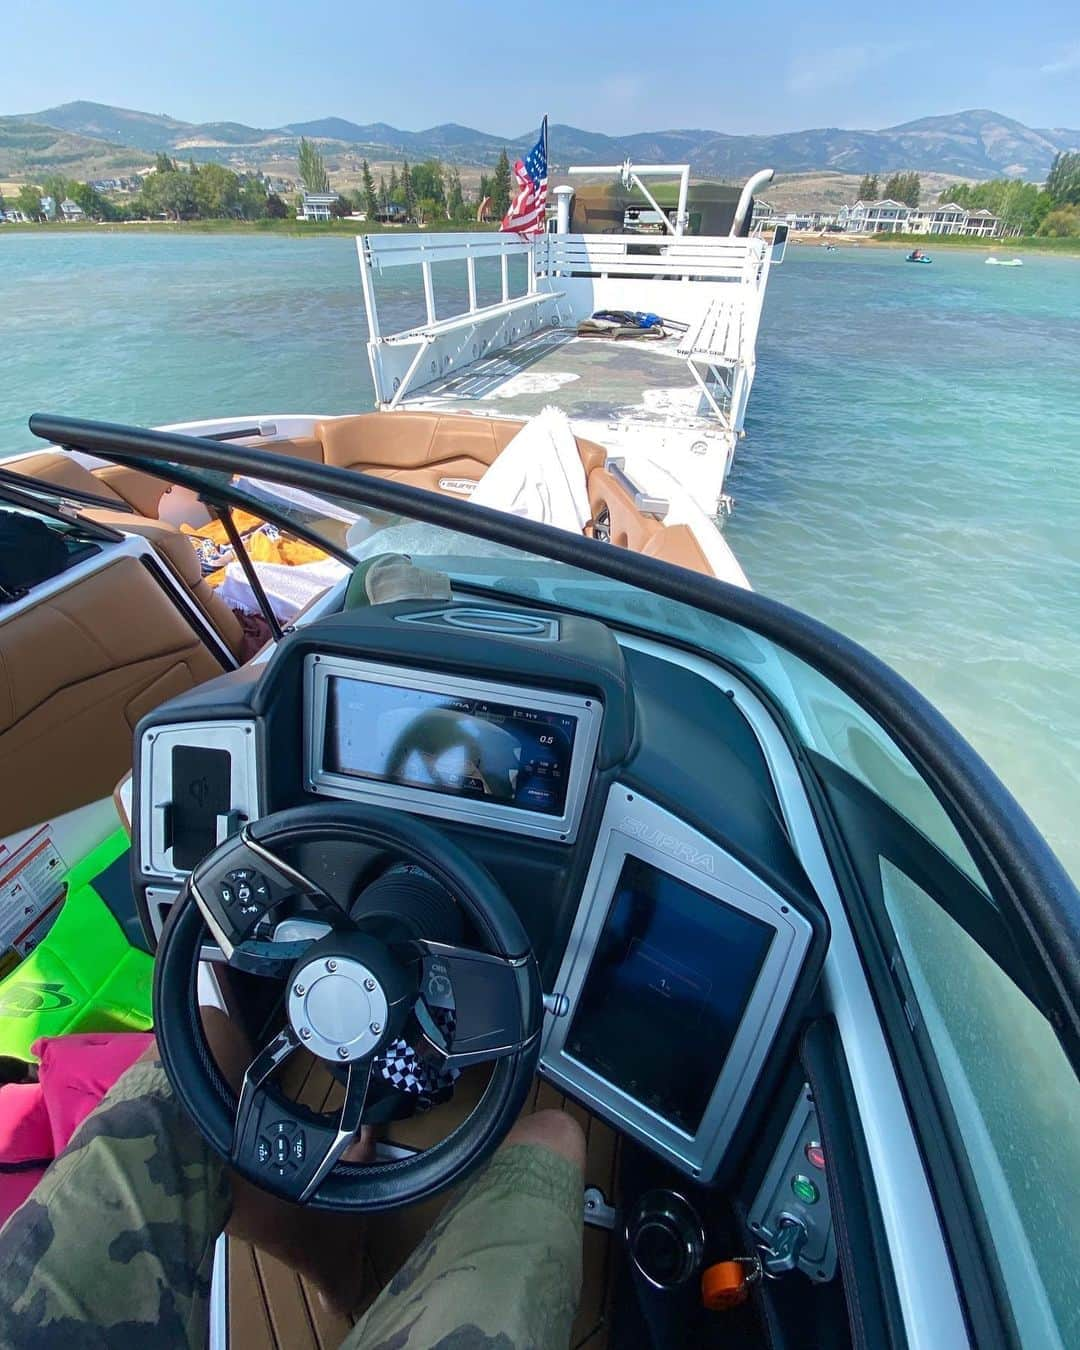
(819, 714)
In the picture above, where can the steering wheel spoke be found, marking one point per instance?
(271, 1139)
(385, 1009)
(239, 885)
(477, 1005)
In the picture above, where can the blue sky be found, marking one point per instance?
(604, 66)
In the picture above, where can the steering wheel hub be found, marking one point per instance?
(338, 1008)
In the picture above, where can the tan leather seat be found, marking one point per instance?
(677, 544)
(428, 450)
(626, 526)
(179, 553)
(77, 671)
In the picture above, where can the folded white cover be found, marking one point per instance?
(539, 475)
(288, 588)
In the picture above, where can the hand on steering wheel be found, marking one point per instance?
(362, 981)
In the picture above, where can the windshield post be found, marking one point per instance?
(225, 515)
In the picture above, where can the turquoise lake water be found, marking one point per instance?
(911, 472)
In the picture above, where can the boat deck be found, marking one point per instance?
(593, 380)
(271, 1307)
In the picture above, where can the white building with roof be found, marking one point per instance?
(874, 217)
(982, 223)
(71, 211)
(316, 206)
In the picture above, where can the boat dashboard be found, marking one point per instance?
(622, 801)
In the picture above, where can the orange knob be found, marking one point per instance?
(724, 1285)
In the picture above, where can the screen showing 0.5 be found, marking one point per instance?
(464, 747)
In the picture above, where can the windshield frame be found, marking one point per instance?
(1025, 879)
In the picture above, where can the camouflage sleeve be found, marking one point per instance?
(114, 1247)
(499, 1270)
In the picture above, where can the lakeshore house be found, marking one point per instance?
(874, 217)
(71, 211)
(316, 205)
(896, 217)
(768, 217)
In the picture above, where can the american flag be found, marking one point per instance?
(526, 215)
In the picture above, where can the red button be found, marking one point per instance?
(815, 1155)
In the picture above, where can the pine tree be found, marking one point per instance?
(407, 191)
(501, 187)
(455, 198)
(313, 173)
(384, 193)
(868, 188)
(393, 188)
(370, 201)
(1063, 180)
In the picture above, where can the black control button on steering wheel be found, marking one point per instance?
(359, 983)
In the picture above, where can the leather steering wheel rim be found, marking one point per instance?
(212, 1105)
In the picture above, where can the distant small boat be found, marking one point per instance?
(1004, 262)
(918, 258)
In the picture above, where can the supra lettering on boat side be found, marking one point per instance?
(669, 843)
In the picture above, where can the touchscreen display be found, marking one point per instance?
(466, 747)
(669, 983)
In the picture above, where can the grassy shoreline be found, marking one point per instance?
(304, 229)
(295, 228)
(1006, 248)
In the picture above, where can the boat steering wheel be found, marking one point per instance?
(360, 981)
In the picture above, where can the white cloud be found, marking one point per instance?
(1068, 60)
(841, 65)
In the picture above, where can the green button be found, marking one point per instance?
(805, 1189)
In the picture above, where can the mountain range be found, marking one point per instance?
(974, 144)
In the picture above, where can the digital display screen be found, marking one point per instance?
(668, 986)
(464, 747)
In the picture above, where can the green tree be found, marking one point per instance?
(216, 191)
(253, 198)
(163, 164)
(455, 198)
(275, 207)
(1063, 180)
(1020, 206)
(868, 188)
(501, 186)
(370, 200)
(384, 194)
(28, 201)
(59, 189)
(93, 204)
(408, 192)
(313, 173)
(1063, 222)
(393, 188)
(903, 187)
(428, 181)
(170, 194)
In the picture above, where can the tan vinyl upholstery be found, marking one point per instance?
(179, 552)
(425, 449)
(678, 545)
(55, 467)
(628, 527)
(77, 671)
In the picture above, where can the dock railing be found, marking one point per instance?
(564, 278)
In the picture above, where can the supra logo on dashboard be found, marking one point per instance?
(669, 843)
